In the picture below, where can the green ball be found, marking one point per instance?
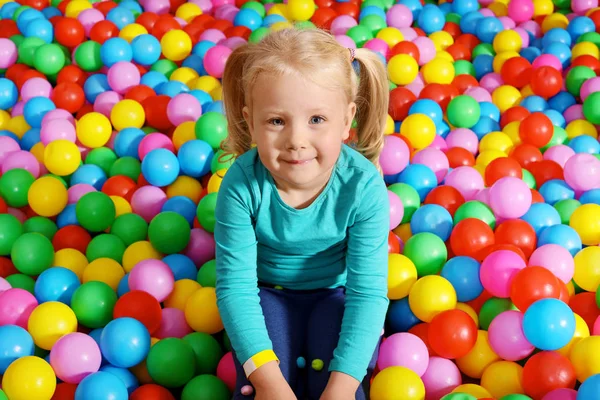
(171, 362)
(206, 212)
(483, 49)
(212, 128)
(559, 136)
(375, 3)
(130, 228)
(93, 304)
(205, 387)
(491, 308)
(256, 6)
(575, 78)
(103, 157)
(515, 397)
(88, 57)
(591, 108)
(32, 253)
(165, 67)
(22, 281)
(42, 225)
(105, 245)
(221, 161)
(410, 199)
(17, 39)
(427, 251)
(95, 211)
(562, 3)
(49, 59)
(3, 395)
(565, 209)
(28, 48)
(458, 396)
(10, 230)
(463, 111)
(463, 67)
(529, 179)
(360, 34)
(207, 274)
(207, 352)
(14, 186)
(258, 34)
(374, 23)
(475, 209)
(304, 25)
(593, 37)
(127, 166)
(453, 17)
(169, 232)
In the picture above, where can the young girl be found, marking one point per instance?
(302, 219)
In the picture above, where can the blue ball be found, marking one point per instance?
(555, 190)
(556, 117)
(530, 53)
(171, 88)
(215, 106)
(580, 25)
(562, 235)
(10, 135)
(541, 216)
(15, 342)
(414, 6)
(120, 16)
(101, 386)
(160, 167)
(127, 142)
(30, 139)
(125, 342)
(432, 218)
(90, 174)
(428, 107)
(56, 284)
(67, 217)
(442, 129)
(203, 98)
(556, 35)
(462, 7)
(196, 63)
(271, 19)
(130, 381)
(94, 85)
(468, 22)
(420, 177)
(584, 144)
(431, 19)
(183, 206)
(40, 28)
(463, 273)
(8, 10)
(249, 18)
(484, 126)
(446, 8)
(132, 5)
(483, 64)
(114, 50)
(549, 324)
(8, 94)
(561, 101)
(35, 109)
(195, 157)
(590, 388)
(123, 286)
(181, 266)
(146, 49)
(153, 79)
(27, 16)
(50, 12)
(487, 28)
(400, 317)
(371, 10)
(590, 197)
(203, 46)
(534, 103)
(560, 51)
(490, 110)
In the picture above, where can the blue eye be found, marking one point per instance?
(276, 121)
(316, 120)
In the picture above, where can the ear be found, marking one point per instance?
(350, 113)
(248, 119)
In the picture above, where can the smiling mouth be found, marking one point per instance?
(299, 162)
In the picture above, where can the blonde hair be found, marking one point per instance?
(318, 56)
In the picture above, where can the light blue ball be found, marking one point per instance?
(549, 324)
(15, 342)
(56, 284)
(432, 218)
(195, 157)
(125, 342)
(160, 167)
(463, 273)
(101, 386)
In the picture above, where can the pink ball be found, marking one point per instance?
(16, 306)
(532, 27)
(19, 214)
(590, 86)
(233, 42)
(182, 108)
(415, 87)
(409, 34)
(440, 378)
(58, 113)
(399, 16)
(215, 59)
(212, 35)
(506, 336)
(172, 324)
(341, 24)
(404, 350)
(426, 47)
(4, 285)
(479, 94)
(205, 5)
(491, 81)
(229, 12)
(596, 327)
(582, 172)
(486, 12)
(547, 60)
(154, 141)
(21, 159)
(77, 191)
(147, 201)
(524, 36)
(394, 156)
(435, 159)
(497, 271)
(7, 146)
(57, 129)
(396, 209)
(555, 258)
(483, 196)
(122, 76)
(581, 6)
(75, 356)
(510, 197)
(105, 102)
(90, 17)
(17, 109)
(573, 113)
(226, 371)
(35, 87)
(154, 277)
(439, 143)
(507, 22)
(463, 137)
(345, 41)
(159, 7)
(520, 10)
(559, 154)
(201, 247)
(466, 180)
(8, 53)
(378, 45)
(561, 394)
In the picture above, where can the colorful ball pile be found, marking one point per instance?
(110, 125)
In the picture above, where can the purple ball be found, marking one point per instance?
(396, 209)
(394, 156)
(182, 108)
(399, 16)
(341, 24)
(122, 76)
(8, 53)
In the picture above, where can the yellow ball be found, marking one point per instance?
(501, 58)
(402, 69)
(389, 125)
(586, 222)
(486, 157)
(403, 231)
(62, 157)
(280, 25)
(527, 91)
(94, 130)
(18, 126)
(585, 48)
(176, 45)
(580, 127)
(184, 75)
(512, 131)
(121, 205)
(201, 312)
(555, 20)
(184, 133)
(508, 40)
(214, 183)
(391, 36)
(38, 150)
(182, 290)
(496, 141)
(474, 390)
(300, 10)
(188, 11)
(438, 71)
(207, 84)
(505, 97)
(185, 186)
(279, 9)
(444, 55)
(29, 378)
(584, 357)
(479, 358)
(75, 7)
(587, 267)
(441, 40)
(49, 322)
(402, 274)
(131, 31)
(581, 331)
(419, 129)
(217, 94)
(4, 118)
(430, 295)
(499, 8)
(542, 7)
(503, 378)
(469, 310)
(104, 270)
(137, 252)
(71, 259)
(395, 383)
(47, 196)
(127, 114)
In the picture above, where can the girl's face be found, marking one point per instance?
(299, 128)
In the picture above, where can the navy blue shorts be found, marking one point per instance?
(303, 325)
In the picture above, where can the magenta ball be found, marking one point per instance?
(440, 378)
(510, 197)
(497, 271)
(596, 327)
(435, 159)
(427, 50)
(16, 306)
(215, 59)
(394, 156)
(520, 10)
(573, 113)
(172, 324)
(582, 172)
(463, 137)
(122, 76)
(439, 143)
(378, 45)
(491, 81)
(57, 129)
(7, 146)
(404, 350)
(183, 108)
(396, 209)
(399, 16)
(90, 17)
(506, 337)
(555, 258)
(590, 86)
(226, 371)
(152, 276)
(466, 180)
(159, 7)
(559, 154)
(154, 141)
(201, 247)
(341, 24)
(581, 6)
(148, 201)
(105, 102)
(75, 356)
(21, 159)
(547, 60)
(35, 87)
(561, 394)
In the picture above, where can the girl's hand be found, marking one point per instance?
(277, 391)
(340, 387)
(270, 384)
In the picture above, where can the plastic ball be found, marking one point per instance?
(93, 304)
(160, 167)
(29, 377)
(463, 111)
(419, 129)
(127, 114)
(50, 321)
(403, 69)
(152, 276)
(431, 295)
(404, 350)
(125, 342)
(101, 384)
(171, 362)
(176, 45)
(209, 321)
(401, 381)
(75, 356)
(93, 130)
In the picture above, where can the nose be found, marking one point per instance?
(296, 137)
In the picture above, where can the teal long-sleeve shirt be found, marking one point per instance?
(339, 240)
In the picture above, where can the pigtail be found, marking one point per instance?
(238, 140)
(372, 104)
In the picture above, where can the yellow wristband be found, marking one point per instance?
(258, 360)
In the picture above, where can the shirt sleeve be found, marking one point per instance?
(366, 288)
(236, 285)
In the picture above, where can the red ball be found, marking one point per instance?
(238, 31)
(546, 81)
(446, 196)
(151, 392)
(518, 233)
(584, 305)
(8, 28)
(37, 4)
(400, 101)
(453, 29)
(73, 74)
(470, 236)
(156, 112)
(7, 268)
(142, 306)
(3, 206)
(525, 154)
(532, 284)
(147, 20)
(69, 96)
(500, 168)
(164, 24)
(421, 330)
(120, 185)
(15, 70)
(441, 94)
(459, 156)
(547, 371)
(516, 113)
(463, 82)
(536, 197)
(105, 6)
(64, 391)
(469, 40)
(459, 51)
(71, 237)
(536, 129)
(140, 93)
(452, 334)
(405, 47)
(393, 243)
(103, 30)
(350, 9)
(544, 171)
(69, 32)
(323, 17)
(516, 72)
(587, 60)
(220, 24)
